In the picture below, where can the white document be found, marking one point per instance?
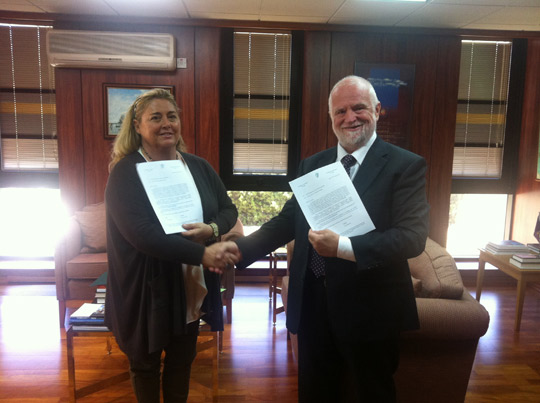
(172, 192)
(329, 200)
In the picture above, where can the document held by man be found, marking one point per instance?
(329, 200)
(172, 193)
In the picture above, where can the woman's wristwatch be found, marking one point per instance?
(215, 235)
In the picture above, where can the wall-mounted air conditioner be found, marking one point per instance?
(111, 50)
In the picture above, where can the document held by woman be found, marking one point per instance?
(172, 193)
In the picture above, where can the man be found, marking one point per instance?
(348, 315)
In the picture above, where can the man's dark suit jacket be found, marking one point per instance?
(373, 297)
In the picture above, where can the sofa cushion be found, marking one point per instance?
(81, 289)
(87, 266)
(92, 221)
(438, 273)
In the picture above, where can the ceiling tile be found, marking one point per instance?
(223, 6)
(95, 7)
(446, 16)
(300, 8)
(470, 14)
(519, 15)
(373, 13)
(155, 8)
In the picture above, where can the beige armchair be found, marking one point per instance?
(436, 360)
(80, 258)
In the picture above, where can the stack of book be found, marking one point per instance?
(534, 247)
(100, 294)
(101, 288)
(526, 261)
(89, 317)
(506, 247)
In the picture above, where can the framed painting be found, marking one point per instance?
(394, 85)
(117, 99)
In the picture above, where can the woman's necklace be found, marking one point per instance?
(151, 159)
(146, 152)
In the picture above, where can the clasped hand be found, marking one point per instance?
(221, 256)
(197, 232)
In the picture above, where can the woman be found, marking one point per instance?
(157, 289)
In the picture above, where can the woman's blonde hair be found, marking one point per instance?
(128, 140)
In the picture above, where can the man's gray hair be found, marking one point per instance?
(359, 82)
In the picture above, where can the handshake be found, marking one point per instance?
(220, 256)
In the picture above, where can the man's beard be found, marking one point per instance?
(360, 140)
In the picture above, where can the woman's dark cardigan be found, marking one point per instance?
(145, 299)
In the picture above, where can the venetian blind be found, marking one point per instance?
(482, 106)
(262, 70)
(27, 101)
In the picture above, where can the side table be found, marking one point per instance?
(207, 340)
(75, 393)
(502, 262)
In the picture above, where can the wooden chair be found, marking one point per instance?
(228, 277)
(80, 258)
(275, 257)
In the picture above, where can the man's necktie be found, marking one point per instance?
(316, 261)
(348, 161)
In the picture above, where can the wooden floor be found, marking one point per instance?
(256, 365)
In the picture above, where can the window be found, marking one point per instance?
(475, 219)
(27, 101)
(260, 110)
(257, 208)
(486, 143)
(33, 220)
(262, 70)
(488, 116)
(481, 115)
(254, 209)
(30, 214)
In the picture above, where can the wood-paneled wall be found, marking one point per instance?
(331, 56)
(207, 94)
(527, 203)
(83, 149)
(316, 87)
(328, 56)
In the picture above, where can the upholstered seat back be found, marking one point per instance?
(85, 253)
(437, 272)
